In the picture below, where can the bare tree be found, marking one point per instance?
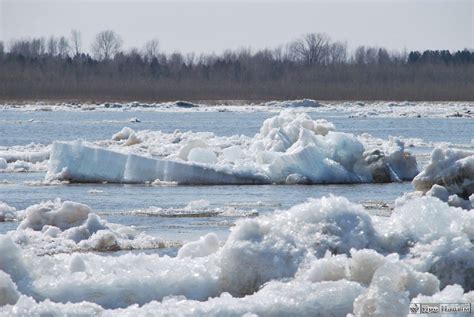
(176, 62)
(190, 59)
(311, 49)
(52, 46)
(37, 47)
(30, 48)
(19, 47)
(151, 49)
(76, 42)
(107, 43)
(371, 55)
(277, 54)
(383, 57)
(63, 47)
(359, 55)
(338, 52)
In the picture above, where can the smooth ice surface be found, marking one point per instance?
(81, 163)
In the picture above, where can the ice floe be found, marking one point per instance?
(290, 148)
(453, 169)
(198, 208)
(7, 213)
(29, 158)
(58, 227)
(449, 176)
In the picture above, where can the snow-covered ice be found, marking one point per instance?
(326, 257)
(58, 227)
(453, 169)
(290, 148)
(28, 158)
(449, 176)
(7, 212)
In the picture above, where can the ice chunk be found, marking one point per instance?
(124, 134)
(8, 291)
(191, 144)
(201, 155)
(275, 299)
(450, 294)
(233, 153)
(91, 164)
(439, 192)
(197, 204)
(128, 135)
(329, 268)
(401, 163)
(289, 143)
(438, 238)
(7, 213)
(11, 261)
(26, 155)
(131, 140)
(311, 163)
(3, 163)
(203, 247)
(297, 179)
(453, 169)
(65, 226)
(77, 264)
(272, 247)
(69, 214)
(386, 295)
(324, 256)
(27, 306)
(364, 264)
(456, 201)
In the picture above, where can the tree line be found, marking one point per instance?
(312, 66)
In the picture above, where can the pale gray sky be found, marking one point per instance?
(212, 26)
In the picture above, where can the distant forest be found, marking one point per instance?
(313, 66)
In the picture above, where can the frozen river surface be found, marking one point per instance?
(158, 248)
(123, 203)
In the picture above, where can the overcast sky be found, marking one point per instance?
(213, 26)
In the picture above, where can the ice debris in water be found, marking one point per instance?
(7, 213)
(353, 109)
(290, 148)
(25, 158)
(8, 290)
(204, 246)
(453, 169)
(449, 176)
(3, 164)
(327, 256)
(127, 135)
(53, 227)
